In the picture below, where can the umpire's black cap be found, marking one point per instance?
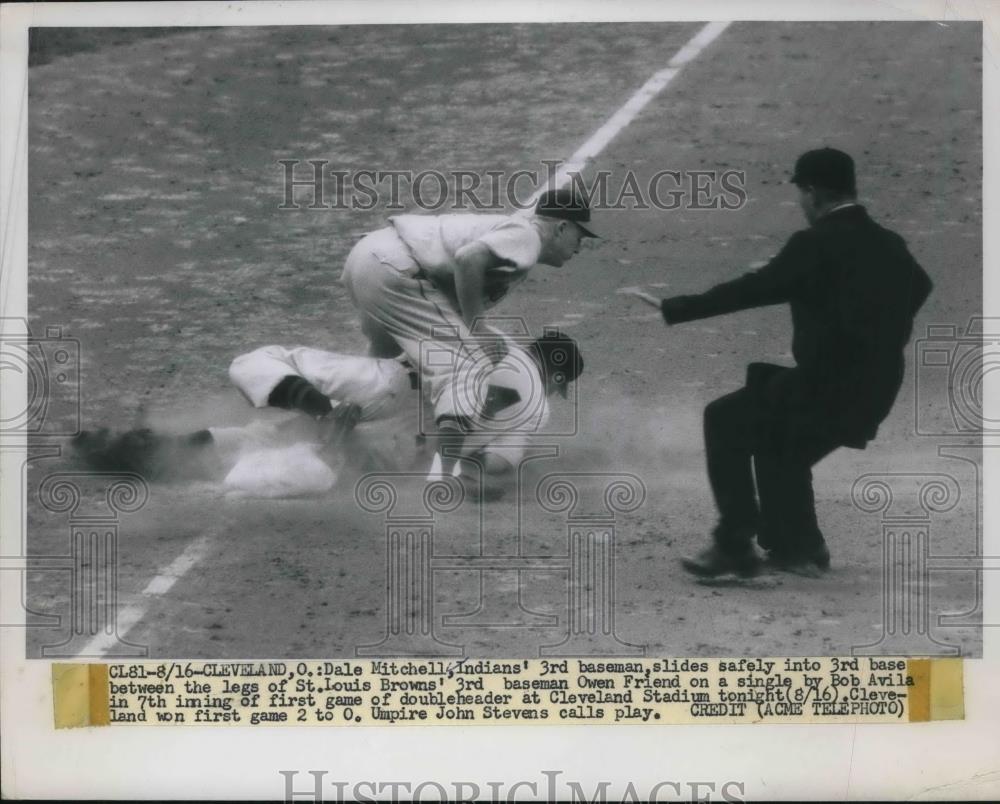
(567, 205)
(827, 168)
(560, 359)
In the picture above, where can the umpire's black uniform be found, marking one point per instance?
(853, 288)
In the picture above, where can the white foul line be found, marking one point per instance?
(631, 108)
(127, 616)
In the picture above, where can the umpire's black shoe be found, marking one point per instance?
(716, 561)
(809, 565)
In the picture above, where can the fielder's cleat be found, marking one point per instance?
(449, 440)
(715, 561)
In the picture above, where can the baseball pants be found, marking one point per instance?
(738, 451)
(402, 310)
(380, 387)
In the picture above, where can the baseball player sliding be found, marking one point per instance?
(422, 283)
(332, 394)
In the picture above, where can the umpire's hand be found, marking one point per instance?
(639, 293)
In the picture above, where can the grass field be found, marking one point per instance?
(157, 241)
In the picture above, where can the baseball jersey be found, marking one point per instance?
(434, 240)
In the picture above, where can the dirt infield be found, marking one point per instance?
(156, 240)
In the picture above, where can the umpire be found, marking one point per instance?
(854, 289)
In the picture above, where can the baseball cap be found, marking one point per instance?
(567, 205)
(560, 358)
(827, 168)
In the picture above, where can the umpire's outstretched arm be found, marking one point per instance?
(775, 283)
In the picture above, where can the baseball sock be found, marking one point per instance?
(450, 437)
(297, 393)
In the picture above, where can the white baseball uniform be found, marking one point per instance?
(383, 388)
(402, 280)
